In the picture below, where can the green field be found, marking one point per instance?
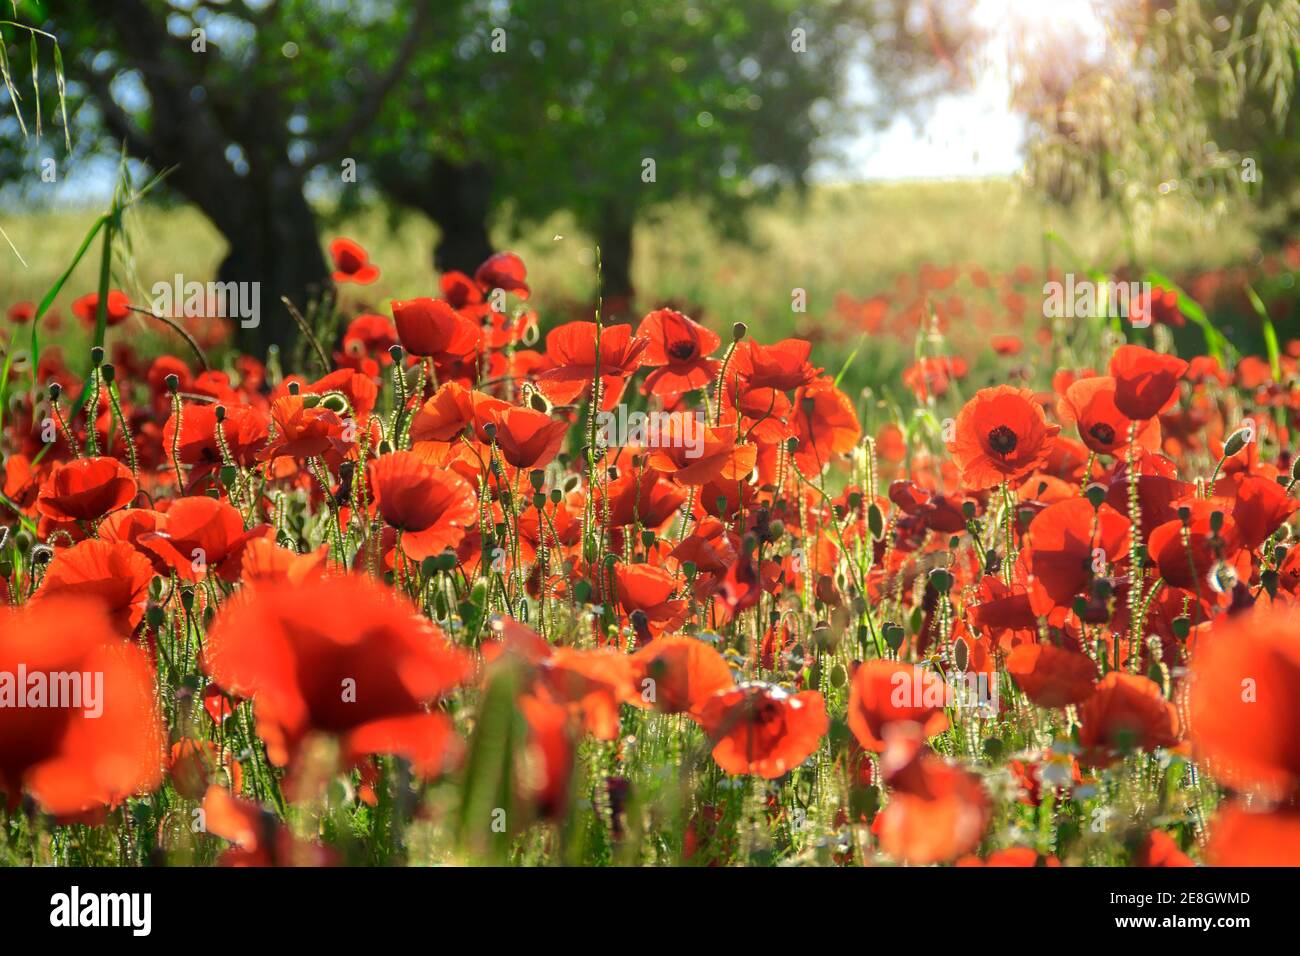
(856, 239)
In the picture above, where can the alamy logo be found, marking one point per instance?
(220, 300)
(1085, 299)
(976, 690)
(70, 690)
(652, 430)
(74, 909)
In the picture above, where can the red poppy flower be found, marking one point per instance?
(506, 271)
(21, 312)
(763, 730)
(644, 499)
(341, 656)
(1066, 542)
(649, 589)
(114, 572)
(1125, 712)
(783, 366)
(1187, 555)
(572, 351)
(431, 327)
(1159, 850)
(87, 307)
(1089, 405)
(67, 759)
(352, 263)
(590, 684)
(202, 534)
(678, 348)
(1146, 382)
(85, 489)
(1052, 676)
(528, 438)
(450, 410)
(264, 560)
(1001, 434)
(244, 429)
(360, 391)
(937, 811)
(304, 429)
(674, 674)
(366, 343)
(1242, 836)
(432, 506)
(888, 692)
(1261, 507)
(825, 424)
(1244, 716)
(1161, 306)
(695, 454)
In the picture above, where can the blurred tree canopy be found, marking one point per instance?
(459, 108)
(1194, 98)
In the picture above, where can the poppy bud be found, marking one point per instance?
(155, 616)
(792, 444)
(894, 634)
(335, 403)
(310, 401)
(1236, 442)
(688, 567)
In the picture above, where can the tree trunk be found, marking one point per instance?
(276, 246)
(459, 199)
(614, 236)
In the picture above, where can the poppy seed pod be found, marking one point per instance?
(97, 356)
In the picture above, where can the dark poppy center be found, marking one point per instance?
(1103, 433)
(682, 349)
(1002, 440)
